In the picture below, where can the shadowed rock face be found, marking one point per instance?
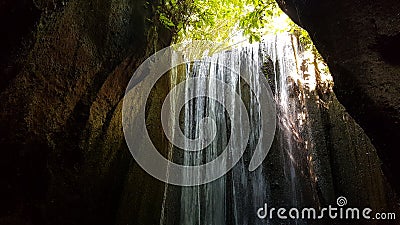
(66, 65)
(17, 21)
(360, 40)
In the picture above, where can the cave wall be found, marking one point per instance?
(360, 41)
(66, 65)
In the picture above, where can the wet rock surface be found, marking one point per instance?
(359, 41)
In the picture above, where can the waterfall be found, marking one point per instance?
(283, 54)
(235, 197)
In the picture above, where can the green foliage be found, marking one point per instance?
(253, 22)
(174, 14)
(303, 37)
(221, 20)
(215, 20)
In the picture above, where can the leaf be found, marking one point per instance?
(166, 21)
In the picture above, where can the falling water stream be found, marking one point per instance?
(235, 197)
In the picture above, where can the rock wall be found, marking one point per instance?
(360, 40)
(64, 159)
(320, 153)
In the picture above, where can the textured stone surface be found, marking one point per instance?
(64, 159)
(360, 40)
(331, 157)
